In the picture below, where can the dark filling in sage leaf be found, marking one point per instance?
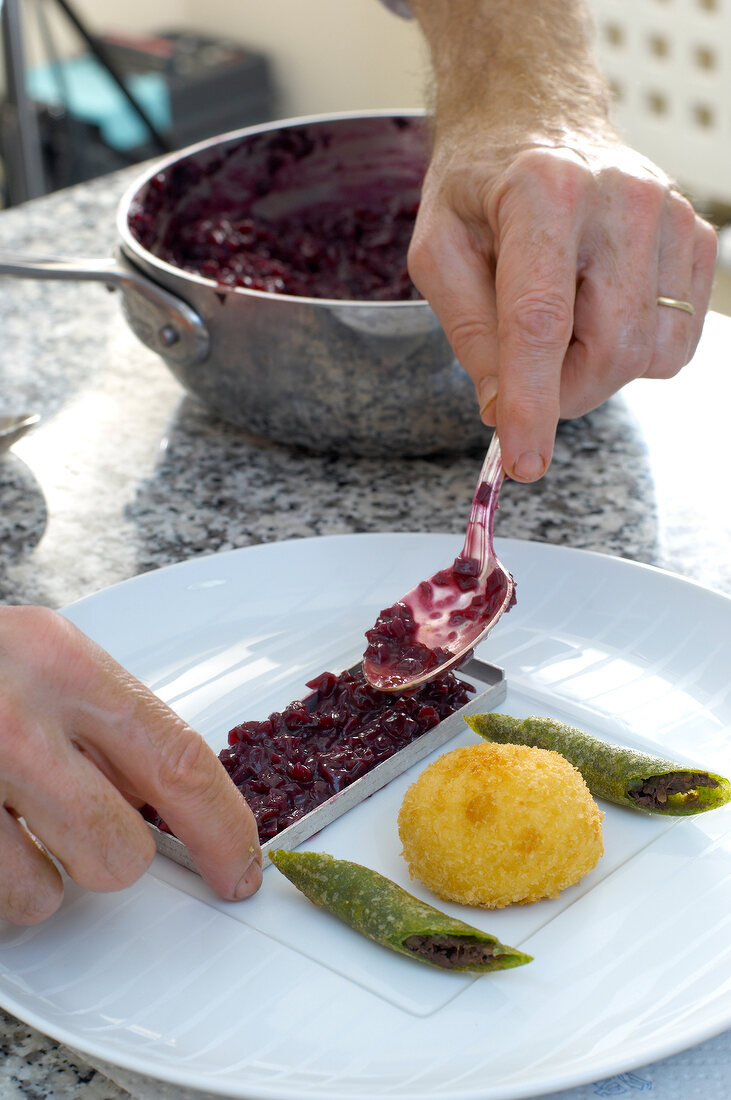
(654, 791)
(450, 951)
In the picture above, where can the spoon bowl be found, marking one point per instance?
(13, 427)
(438, 623)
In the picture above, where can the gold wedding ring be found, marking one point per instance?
(676, 303)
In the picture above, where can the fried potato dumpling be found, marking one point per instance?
(494, 825)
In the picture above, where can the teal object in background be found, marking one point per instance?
(88, 93)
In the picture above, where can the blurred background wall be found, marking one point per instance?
(668, 61)
(230, 63)
(326, 54)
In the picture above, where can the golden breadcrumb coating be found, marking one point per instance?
(493, 825)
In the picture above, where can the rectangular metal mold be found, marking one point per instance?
(493, 692)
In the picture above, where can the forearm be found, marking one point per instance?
(525, 67)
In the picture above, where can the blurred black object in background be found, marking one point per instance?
(214, 85)
(123, 99)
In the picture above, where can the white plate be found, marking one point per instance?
(273, 997)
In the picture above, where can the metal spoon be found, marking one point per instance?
(13, 427)
(438, 623)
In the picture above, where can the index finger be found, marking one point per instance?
(535, 284)
(149, 751)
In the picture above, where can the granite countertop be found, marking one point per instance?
(125, 473)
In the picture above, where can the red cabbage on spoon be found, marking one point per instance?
(436, 625)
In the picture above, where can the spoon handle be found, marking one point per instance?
(478, 540)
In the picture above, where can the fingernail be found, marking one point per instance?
(487, 396)
(249, 882)
(529, 466)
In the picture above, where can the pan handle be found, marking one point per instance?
(158, 318)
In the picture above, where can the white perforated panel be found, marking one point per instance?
(669, 65)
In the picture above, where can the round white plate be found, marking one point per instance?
(272, 998)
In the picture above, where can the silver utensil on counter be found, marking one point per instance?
(437, 624)
(13, 427)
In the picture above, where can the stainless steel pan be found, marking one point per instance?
(357, 377)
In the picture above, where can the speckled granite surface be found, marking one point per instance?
(126, 473)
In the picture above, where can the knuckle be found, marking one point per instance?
(184, 766)
(683, 215)
(560, 175)
(539, 320)
(634, 353)
(19, 626)
(18, 739)
(37, 641)
(662, 368)
(667, 362)
(28, 903)
(565, 179)
(627, 354)
(468, 337)
(31, 889)
(31, 622)
(706, 245)
(530, 408)
(556, 166)
(122, 849)
(121, 864)
(644, 195)
(12, 720)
